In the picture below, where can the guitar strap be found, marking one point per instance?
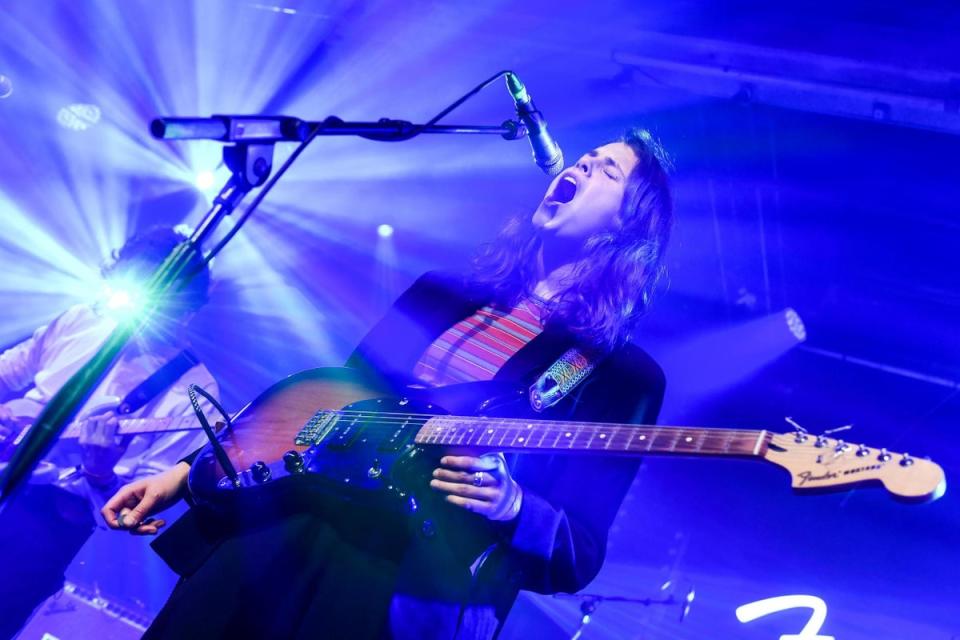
(161, 379)
(561, 378)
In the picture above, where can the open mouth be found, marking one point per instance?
(565, 190)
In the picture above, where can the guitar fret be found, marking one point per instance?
(526, 435)
(593, 434)
(543, 435)
(490, 433)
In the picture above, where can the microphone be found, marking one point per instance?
(546, 152)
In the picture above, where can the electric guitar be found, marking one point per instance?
(332, 429)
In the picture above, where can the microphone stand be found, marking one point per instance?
(590, 601)
(250, 158)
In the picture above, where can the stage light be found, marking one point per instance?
(204, 180)
(385, 231)
(275, 9)
(78, 117)
(6, 86)
(120, 299)
(795, 324)
(719, 359)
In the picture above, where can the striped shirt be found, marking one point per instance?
(477, 347)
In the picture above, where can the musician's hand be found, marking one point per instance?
(479, 484)
(100, 446)
(133, 505)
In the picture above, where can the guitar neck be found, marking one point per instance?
(134, 426)
(512, 435)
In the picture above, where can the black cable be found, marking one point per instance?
(417, 130)
(414, 132)
(218, 451)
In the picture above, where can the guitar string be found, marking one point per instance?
(399, 418)
(395, 419)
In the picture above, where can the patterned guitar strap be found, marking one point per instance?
(560, 379)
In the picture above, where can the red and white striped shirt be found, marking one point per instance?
(475, 348)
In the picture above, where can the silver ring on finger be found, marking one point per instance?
(478, 479)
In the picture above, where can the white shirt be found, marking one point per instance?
(43, 363)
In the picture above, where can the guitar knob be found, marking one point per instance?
(293, 462)
(260, 472)
(906, 461)
(884, 455)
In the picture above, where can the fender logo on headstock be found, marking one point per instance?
(807, 476)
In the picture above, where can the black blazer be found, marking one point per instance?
(558, 541)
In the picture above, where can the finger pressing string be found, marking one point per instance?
(471, 463)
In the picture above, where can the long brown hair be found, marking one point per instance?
(613, 285)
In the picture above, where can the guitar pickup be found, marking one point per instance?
(343, 432)
(401, 436)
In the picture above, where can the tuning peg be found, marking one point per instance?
(906, 460)
(863, 451)
(821, 442)
(793, 423)
(843, 428)
(801, 433)
(841, 446)
(884, 455)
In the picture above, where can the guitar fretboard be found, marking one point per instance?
(131, 426)
(519, 435)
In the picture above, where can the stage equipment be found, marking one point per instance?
(546, 152)
(250, 159)
(76, 613)
(590, 601)
(924, 98)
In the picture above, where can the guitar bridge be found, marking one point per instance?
(316, 428)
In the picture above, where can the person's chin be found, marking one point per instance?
(545, 217)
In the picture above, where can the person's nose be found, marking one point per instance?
(585, 166)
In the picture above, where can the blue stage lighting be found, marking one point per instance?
(78, 117)
(795, 324)
(204, 180)
(6, 86)
(385, 230)
(121, 299)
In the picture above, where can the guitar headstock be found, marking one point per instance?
(818, 463)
